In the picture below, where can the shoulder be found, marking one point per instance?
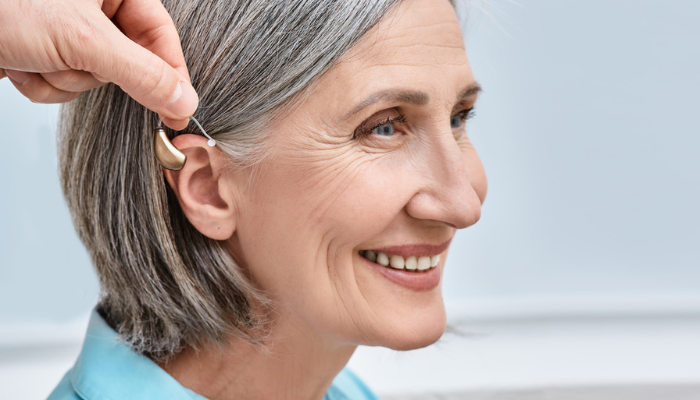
(348, 386)
(64, 390)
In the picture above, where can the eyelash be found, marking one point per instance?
(361, 131)
(466, 114)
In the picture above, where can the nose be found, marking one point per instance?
(454, 185)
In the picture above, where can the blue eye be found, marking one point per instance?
(456, 121)
(384, 129)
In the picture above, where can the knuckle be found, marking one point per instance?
(61, 79)
(85, 39)
(77, 37)
(154, 77)
(39, 94)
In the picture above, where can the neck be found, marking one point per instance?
(296, 364)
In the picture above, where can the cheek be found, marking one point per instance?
(373, 194)
(304, 219)
(343, 192)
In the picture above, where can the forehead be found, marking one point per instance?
(413, 30)
(418, 45)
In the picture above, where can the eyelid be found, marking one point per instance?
(469, 112)
(377, 120)
(463, 105)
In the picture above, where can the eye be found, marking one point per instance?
(457, 120)
(386, 129)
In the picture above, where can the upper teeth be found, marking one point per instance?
(398, 262)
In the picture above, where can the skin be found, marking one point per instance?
(74, 45)
(298, 221)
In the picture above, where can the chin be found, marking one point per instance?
(415, 331)
(407, 309)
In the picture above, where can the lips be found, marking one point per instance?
(415, 267)
(410, 263)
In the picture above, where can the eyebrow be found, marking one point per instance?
(469, 91)
(415, 97)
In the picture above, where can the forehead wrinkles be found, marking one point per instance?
(409, 34)
(401, 50)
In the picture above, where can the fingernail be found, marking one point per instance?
(20, 77)
(183, 102)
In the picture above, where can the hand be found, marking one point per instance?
(52, 50)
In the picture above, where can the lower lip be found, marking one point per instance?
(418, 281)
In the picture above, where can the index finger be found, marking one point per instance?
(147, 23)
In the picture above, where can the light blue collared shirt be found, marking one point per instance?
(107, 369)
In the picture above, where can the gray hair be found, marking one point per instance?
(164, 285)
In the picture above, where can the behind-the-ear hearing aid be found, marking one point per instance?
(167, 154)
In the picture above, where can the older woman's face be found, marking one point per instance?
(376, 162)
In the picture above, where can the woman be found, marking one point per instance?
(319, 221)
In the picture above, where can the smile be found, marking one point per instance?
(410, 263)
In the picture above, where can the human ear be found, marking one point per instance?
(205, 192)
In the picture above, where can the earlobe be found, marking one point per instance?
(205, 192)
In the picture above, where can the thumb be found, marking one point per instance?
(141, 74)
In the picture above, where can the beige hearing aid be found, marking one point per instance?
(167, 154)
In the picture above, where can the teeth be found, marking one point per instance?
(423, 263)
(396, 262)
(370, 255)
(382, 259)
(411, 263)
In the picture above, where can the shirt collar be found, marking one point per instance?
(108, 369)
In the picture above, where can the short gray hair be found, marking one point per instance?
(164, 285)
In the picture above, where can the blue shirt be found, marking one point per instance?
(107, 369)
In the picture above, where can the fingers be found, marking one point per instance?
(148, 23)
(35, 88)
(72, 81)
(176, 124)
(145, 59)
(149, 80)
(150, 67)
(140, 73)
(53, 87)
(18, 76)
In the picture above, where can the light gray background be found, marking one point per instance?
(588, 128)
